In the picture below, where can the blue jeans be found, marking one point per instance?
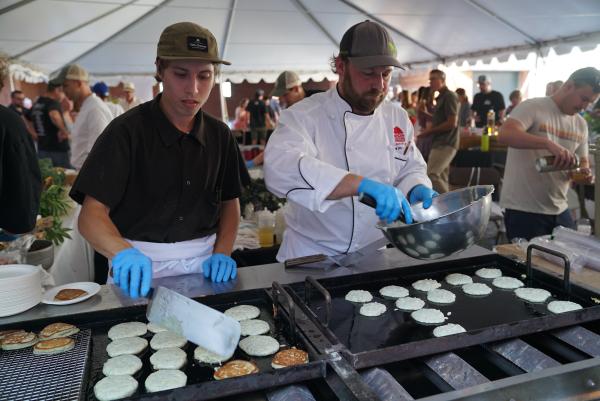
(528, 225)
(59, 159)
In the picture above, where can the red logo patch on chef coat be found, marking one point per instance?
(399, 135)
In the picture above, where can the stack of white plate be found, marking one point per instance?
(20, 288)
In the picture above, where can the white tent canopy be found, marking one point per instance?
(263, 37)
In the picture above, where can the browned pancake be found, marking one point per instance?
(289, 357)
(56, 330)
(53, 346)
(68, 294)
(18, 340)
(4, 333)
(235, 368)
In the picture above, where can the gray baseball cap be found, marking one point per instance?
(286, 80)
(368, 44)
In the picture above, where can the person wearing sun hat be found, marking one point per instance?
(160, 188)
(333, 146)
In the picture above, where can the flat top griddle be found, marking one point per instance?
(499, 315)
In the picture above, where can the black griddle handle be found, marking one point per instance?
(311, 282)
(565, 258)
(277, 292)
(370, 201)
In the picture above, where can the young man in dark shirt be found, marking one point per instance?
(487, 99)
(160, 187)
(259, 116)
(49, 125)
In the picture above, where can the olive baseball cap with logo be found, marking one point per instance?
(70, 71)
(368, 44)
(186, 40)
(285, 81)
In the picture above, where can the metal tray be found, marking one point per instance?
(200, 384)
(395, 336)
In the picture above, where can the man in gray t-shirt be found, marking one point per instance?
(536, 202)
(444, 131)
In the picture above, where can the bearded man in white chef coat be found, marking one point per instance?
(333, 146)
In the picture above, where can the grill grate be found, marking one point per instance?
(24, 376)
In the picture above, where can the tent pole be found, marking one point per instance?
(312, 17)
(228, 29)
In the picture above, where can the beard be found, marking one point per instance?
(362, 103)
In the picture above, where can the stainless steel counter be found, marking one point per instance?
(194, 285)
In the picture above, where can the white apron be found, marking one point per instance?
(174, 259)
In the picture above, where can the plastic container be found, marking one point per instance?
(279, 224)
(266, 228)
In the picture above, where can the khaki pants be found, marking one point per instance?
(438, 167)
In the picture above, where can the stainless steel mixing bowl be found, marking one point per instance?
(454, 221)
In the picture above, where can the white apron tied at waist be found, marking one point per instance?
(176, 258)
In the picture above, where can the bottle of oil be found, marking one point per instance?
(546, 165)
(488, 131)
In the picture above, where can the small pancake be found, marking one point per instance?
(56, 330)
(235, 368)
(428, 316)
(115, 387)
(68, 294)
(53, 346)
(254, 327)
(243, 312)
(165, 379)
(168, 358)
(458, 279)
(167, 339)
(358, 296)
(488, 273)
(289, 357)
(507, 283)
(534, 295)
(203, 355)
(563, 306)
(122, 365)
(5, 333)
(477, 289)
(448, 330)
(441, 296)
(129, 329)
(259, 345)
(18, 340)
(426, 284)
(394, 291)
(155, 328)
(372, 309)
(126, 346)
(409, 303)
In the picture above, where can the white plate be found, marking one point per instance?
(91, 288)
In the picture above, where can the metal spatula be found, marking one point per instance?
(199, 323)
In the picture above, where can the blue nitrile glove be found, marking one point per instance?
(390, 201)
(250, 164)
(219, 268)
(132, 271)
(421, 193)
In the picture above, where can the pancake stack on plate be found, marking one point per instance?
(20, 288)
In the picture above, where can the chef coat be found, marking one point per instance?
(317, 142)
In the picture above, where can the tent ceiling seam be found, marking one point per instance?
(14, 6)
(490, 13)
(311, 16)
(76, 28)
(111, 37)
(391, 28)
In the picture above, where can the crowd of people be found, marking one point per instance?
(159, 181)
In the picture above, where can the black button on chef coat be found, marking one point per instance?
(161, 184)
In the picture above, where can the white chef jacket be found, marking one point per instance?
(317, 142)
(94, 115)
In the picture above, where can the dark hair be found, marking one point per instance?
(52, 87)
(162, 64)
(587, 76)
(441, 73)
(462, 92)
(514, 94)
(424, 93)
(334, 59)
(405, 99)
(15, 92)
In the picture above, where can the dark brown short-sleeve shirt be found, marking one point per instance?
(161, 184)
(447, 105)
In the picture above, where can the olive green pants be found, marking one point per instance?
(438, 167)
